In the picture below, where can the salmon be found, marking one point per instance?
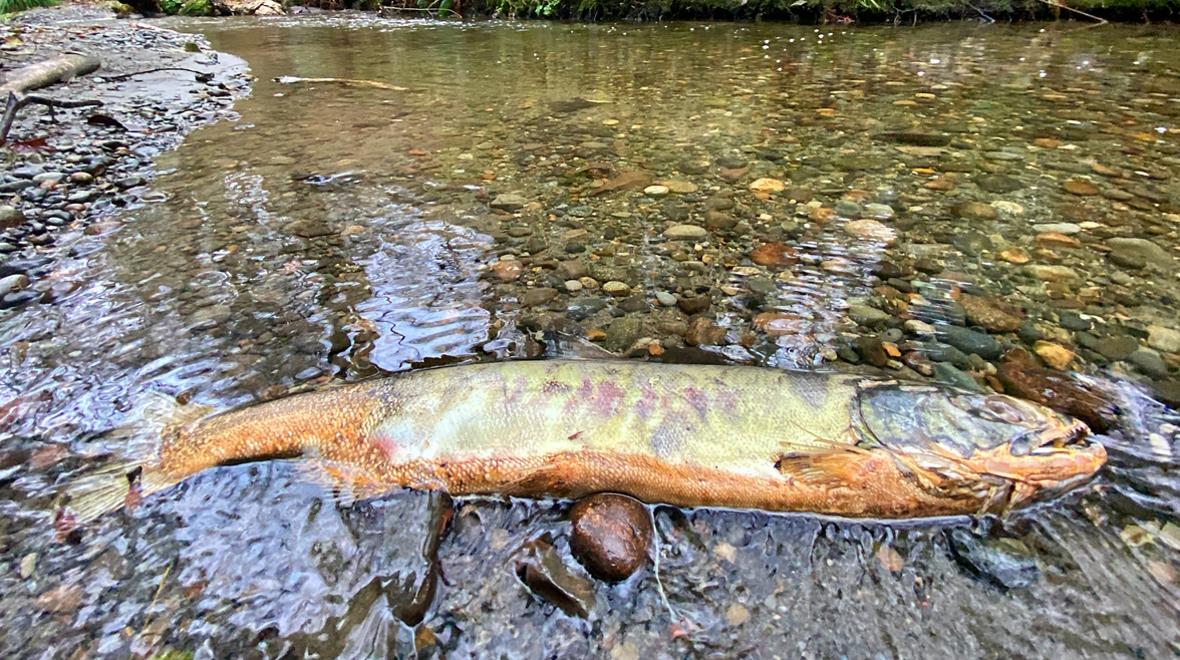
(684, 435)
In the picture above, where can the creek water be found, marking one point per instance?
(948, 193)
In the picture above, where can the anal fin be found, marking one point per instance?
(345, 482)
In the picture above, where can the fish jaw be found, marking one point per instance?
(1011, 475)
(1045, 471)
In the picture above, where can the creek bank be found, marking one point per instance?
(65, 167)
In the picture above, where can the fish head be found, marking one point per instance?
(998, 449)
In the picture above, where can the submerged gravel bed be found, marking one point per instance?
(64, 168)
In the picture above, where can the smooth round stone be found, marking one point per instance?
(616, 288)
(878, 211)
(685, 233)
(848, 209)
(656, 191)
(870, 230)
(666, 299)
(767, 186)
(865, 315)
(610, 535)
(573, 285)
(1008, 208)
(1067, 228)
(679, 187)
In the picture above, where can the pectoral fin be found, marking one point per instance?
(837, 468)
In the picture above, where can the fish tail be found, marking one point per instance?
(114, 487)
(135, 473)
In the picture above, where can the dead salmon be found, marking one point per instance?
(685, 435)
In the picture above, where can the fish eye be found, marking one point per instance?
(1021, 445)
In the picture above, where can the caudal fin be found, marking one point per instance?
(134, 475)
(113, 487)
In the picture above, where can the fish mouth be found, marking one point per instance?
(1071, 436)
(1040, 464)
(1052, 461)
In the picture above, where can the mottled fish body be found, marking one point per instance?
(686, 435)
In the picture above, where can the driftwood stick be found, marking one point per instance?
(15, 103)
(16, 86)
(201, 75)
(48, 72)
(1055, 3)
(289, 80)
(9, 115)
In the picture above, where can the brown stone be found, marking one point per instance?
(631, 180)
(767, 186)
(941, 183)
(703, 332)
(572, 269)
(777, 324)
(538, 296)
(975, 211)
(1080, 187)
(1054, 355)
(610, 535)
(820, 213)
(1099, 168)
(1015, 256)
(775, 255)
(63, 599)
(507, 271)
(991, 314)
(1052, 239)
(693, 303)
(733, 174)
(871, 230)
(873, 352)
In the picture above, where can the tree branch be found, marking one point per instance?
(15, 103)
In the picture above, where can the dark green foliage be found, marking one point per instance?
(196, 8)
(186, 7)
(12, 6)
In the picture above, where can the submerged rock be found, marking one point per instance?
(610, 535)
(685, 233)
(509, 202)
(551, 580)
(991, 314)
(1007, 563)
(1139, 253)
(916, 138)
(1163, 338)
(622, 333)
(969, 341)
(1022, 377)
(10, 217)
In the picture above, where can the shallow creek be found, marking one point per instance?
(913, 201)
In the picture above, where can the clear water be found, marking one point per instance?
(343, 231)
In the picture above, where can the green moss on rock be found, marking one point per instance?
(196, 8)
